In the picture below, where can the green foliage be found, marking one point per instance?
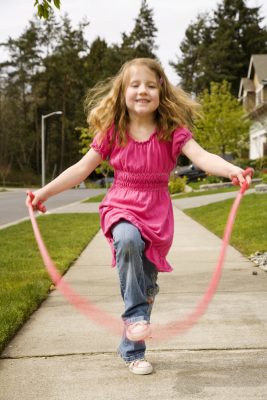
(141, 41)
(190, 66)
(224, 127)
(177, 185)
(44, 9)
(205, 192)
(43, 74)
(260, 164)
(218, 46)
(95, 199)
(211, 179)
(50, 67)
(24, 282)
(86, 138)
(264, 178)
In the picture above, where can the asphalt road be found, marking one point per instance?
(12, 202)
(12, 208)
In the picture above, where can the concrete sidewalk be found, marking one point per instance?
(59, 354)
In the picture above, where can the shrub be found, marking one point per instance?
(177, 185)
(264, 178)
(259, 164)
(211, 179)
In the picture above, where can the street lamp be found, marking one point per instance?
(43, 142)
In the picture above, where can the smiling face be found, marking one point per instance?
(142, 92)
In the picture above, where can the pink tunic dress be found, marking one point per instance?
(140, 193)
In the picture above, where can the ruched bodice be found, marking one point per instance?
(140, 193)
(141, 181)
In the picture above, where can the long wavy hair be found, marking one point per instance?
(105, 104)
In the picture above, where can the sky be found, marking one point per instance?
(108, 19)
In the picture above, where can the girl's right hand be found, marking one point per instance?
(36, 199)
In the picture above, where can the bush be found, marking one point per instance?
(259, 164)
(211, 179)
(26, 178)
(177, 185)
(264, 178)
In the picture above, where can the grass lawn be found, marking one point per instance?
(95, 199)
(205, 192)
(99, 198)
(24, 282)
(249, 233)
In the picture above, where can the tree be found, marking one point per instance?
(61, 84)
(49, 68)
(44, 72)
(190, 67)
(104, 61)
(101, 62)
(17, 107)
(86, 138)
(224, 127)
(219, 48)
(141, 41)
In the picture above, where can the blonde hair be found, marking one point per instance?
(105, 104)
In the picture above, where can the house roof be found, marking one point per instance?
(259, 62)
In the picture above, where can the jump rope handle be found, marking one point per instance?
(40, 206)
(245, 185)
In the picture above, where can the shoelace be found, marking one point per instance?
(138, 323)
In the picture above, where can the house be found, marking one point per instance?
(253, 95)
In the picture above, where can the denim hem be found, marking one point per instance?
(137, 356)
(135, 319)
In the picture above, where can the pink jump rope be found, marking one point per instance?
(91, 311)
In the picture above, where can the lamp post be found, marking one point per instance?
(43, 142)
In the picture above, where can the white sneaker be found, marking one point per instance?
(140, 367)
(139, 330)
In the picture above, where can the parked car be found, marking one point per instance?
(192, 172)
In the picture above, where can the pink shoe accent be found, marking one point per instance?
(140, 367)
(139, 330)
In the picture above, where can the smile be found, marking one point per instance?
(142, 101)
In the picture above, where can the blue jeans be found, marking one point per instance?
(138, 283)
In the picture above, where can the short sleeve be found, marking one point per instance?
(180, 137)
(103, 145)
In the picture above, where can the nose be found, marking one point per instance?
(142, 88)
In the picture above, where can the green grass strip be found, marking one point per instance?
(24, 282)
(99, 198)
(204, 193)
(249, 232)
(95, 199)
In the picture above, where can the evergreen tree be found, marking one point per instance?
(101, 62)
(44, 73)
(17, 132)
(225, 46)
(95, 62)
(63, 87)
(194, 48)
(141, 41)
(49, 68)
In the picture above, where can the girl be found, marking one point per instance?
(141, 124)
